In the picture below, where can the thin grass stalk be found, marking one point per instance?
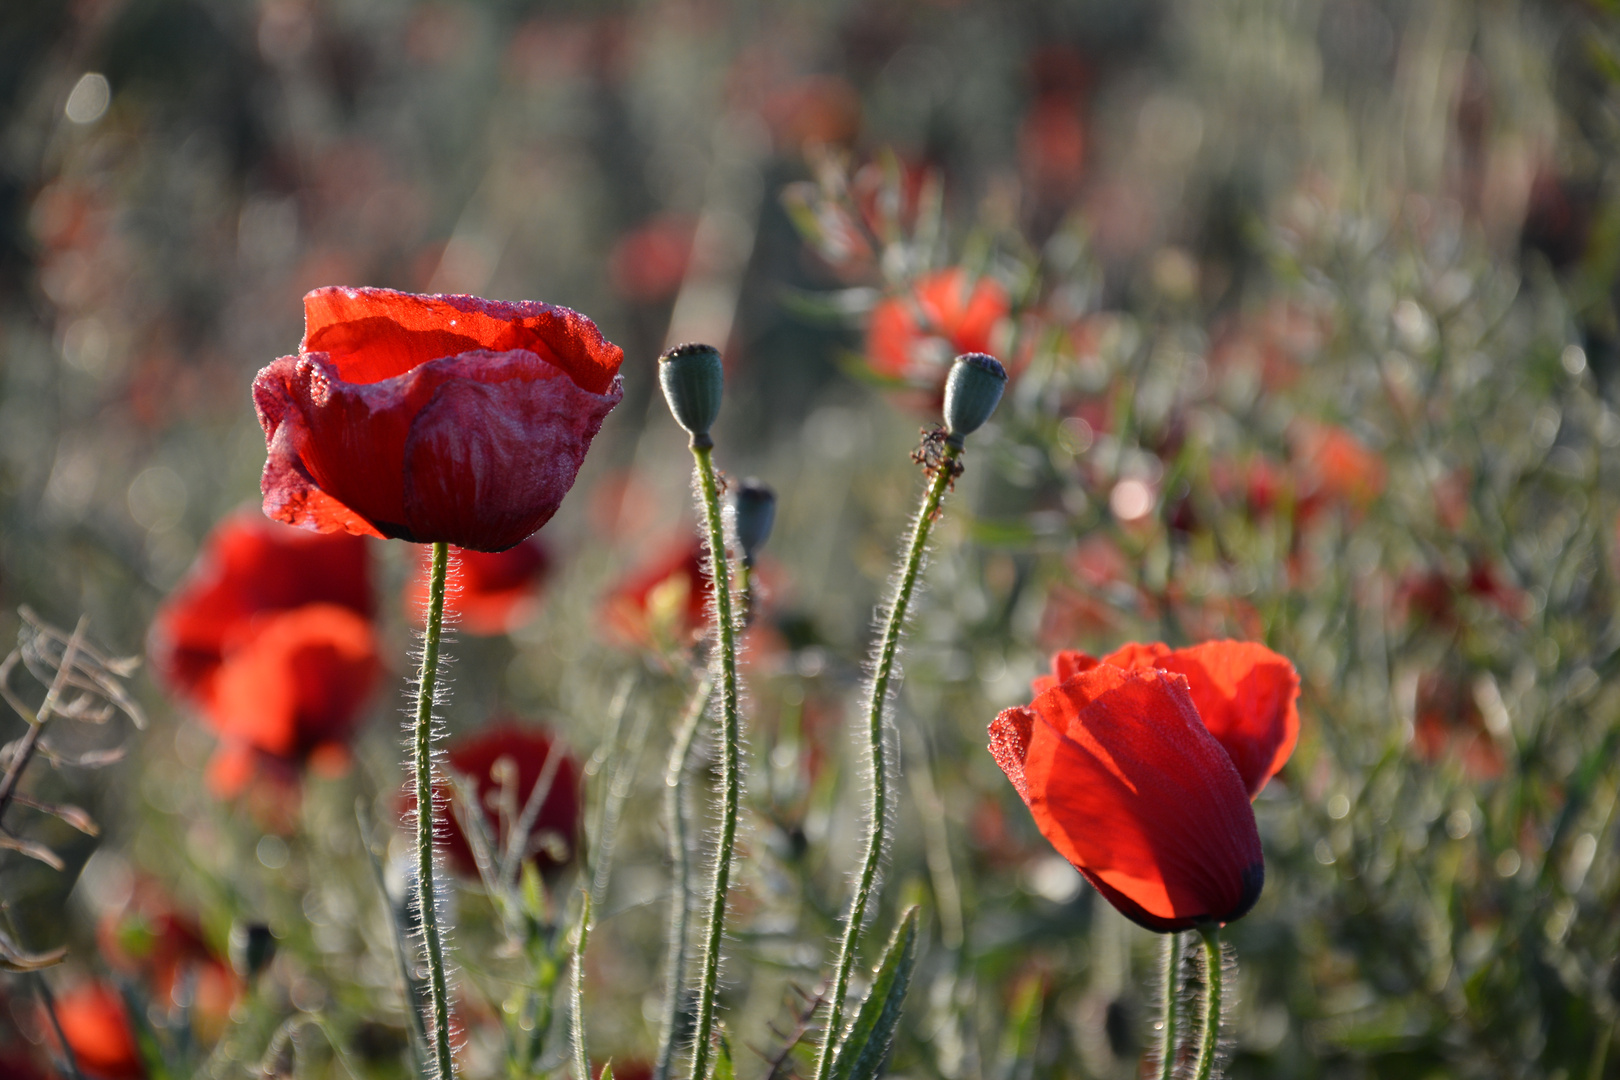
(680, 904)
(730, 775)
(894, 626)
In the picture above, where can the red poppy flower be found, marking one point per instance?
(1245, 694)
(648, 263)
(292, 695)
(915, 337)
(1126, 783)
(488, 593)
(507, 761)
(97, 1029)
(249, 570)
(667, 597)
(432, 418)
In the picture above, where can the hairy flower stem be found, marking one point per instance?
(427, 907)
(680, 902)
(1172, 978)
(1211, 934)
(944, 471)
(730, 738)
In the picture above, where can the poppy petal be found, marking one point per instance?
(494, 451)
(1128, 785)
(376, 334)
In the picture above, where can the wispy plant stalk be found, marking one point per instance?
(943, 472)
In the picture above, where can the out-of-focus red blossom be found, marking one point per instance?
(1257, 482)
(488, 593)
(669, 595)
(1275, 343)
(432, 418)
(292, 695)
(1448, 720)
(648, 263)
(97, 1029)
(1245, 694)
(249, 570)
(818, 110)
(1076, 611)
(915, 336)
(17, 1064)
(889, 194)
(1052, 149)
(489, 758)
(151, 939)
(1126, 782)
(1334, 468)
(1433, 595)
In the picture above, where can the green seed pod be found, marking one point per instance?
(972, 392)
(693, 378)
(756, 513)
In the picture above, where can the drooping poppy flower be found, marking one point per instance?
(292, 695)
(488, 593)
(1245, 694)
(432, 418)
(666, 599)
(97, 1029)
(915, 336)
(249, 570)
(1127, 783)
(507, 761)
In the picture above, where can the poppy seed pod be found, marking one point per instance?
(972, 392)
(693, 379)
(756, 513)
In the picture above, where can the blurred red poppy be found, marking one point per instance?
(432, 418)
(293, 695)
(1335, 469)
(666, 598)
(507, 761)
(1126, 783)
(914, 337)
(1448, 720)
(648, 263)
(97, 1029)
(249, 570)
(488, 593)
(1245, 694)
(151, 939)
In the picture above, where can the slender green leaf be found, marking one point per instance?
(864, 1047)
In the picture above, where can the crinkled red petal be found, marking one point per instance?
(377, 334)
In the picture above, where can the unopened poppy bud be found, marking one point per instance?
(253, 946)
(693, 377)
(972, 392)
(756, 513)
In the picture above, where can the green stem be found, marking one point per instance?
(1172, 979)
(680, 904)
(1211, 933)
(889, 645)
(427, 907)
(730, 738)
(582, 1059)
